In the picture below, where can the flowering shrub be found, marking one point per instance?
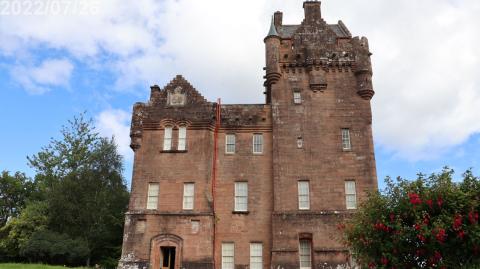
(431, 222)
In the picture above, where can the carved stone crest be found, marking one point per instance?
(176, 97)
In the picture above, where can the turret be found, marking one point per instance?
(272, 46)
(363, 72)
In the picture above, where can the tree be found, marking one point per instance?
(45, 245)
(16, 233)
(431, 222)
(14, 193)
(80, 176)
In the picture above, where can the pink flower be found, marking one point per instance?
(473, 217)
(421, 238)
(441, 235)
(384, 260)
(457, 222)
(414, 199)
(439, 201)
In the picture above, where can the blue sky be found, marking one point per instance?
(52, 67)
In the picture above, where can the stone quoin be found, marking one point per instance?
(260, 185)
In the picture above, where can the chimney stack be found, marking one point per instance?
(312, 10)
(277, 18)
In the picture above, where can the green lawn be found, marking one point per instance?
(32, 266)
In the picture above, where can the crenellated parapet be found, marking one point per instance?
(315, 47)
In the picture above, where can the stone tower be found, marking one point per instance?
(258, 185)
(318, 82)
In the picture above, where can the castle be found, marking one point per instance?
(257, 185)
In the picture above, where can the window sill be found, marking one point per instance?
(173, 151)
(240, 212)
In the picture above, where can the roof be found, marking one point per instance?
(287, 31)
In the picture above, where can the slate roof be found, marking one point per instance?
(287, 31)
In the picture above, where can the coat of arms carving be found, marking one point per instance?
(176, 97)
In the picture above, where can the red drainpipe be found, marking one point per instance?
(214, 174)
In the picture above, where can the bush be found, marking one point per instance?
(427, 223)
(55, 248)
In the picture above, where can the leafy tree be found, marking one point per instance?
(14, 193)
(45, 245)
(80, 176)
(431, 222)
(15, 234)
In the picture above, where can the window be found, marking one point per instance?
(257, 143)
(152, 198)
(182, 138)
(228, 255)
(346, 145)
(305, 254)
(241, 196)
(303, 195)
(299, 142)
(167, 138)
(256, 261)
(297, 97)
(350, 194)
(230, 143)
(188, 194)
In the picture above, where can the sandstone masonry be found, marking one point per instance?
(256, 186)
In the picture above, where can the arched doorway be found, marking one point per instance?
(166, 252)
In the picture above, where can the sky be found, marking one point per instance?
(101, 56)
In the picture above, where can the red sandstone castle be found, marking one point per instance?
(256, 186)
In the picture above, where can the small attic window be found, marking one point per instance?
(285, 56)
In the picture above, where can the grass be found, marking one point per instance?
(33, 266)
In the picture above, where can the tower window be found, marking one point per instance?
(167, 138)
(299, 142)
(303, 195)
(152, 196)
(297, 97)
(228, 256)
(346, 145)
(305, 254)
(256, 261)
(182, 138)
(241, 196)
(257, 143)
(230, 143)
(188, 195)
(350, 194)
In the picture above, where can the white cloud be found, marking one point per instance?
(39, 79)
(425, 56)
(116, 123)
